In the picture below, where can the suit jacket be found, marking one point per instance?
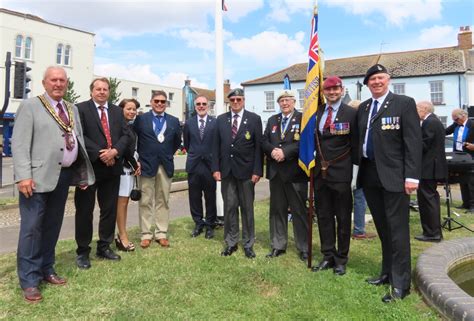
(397, 151)
(199, 151)
(95, 139)
(241, 156)
(289, 170)
(469, 138)
(336, 144)
(151, 152)
(38, 144)
(434, 165)
(129, 154)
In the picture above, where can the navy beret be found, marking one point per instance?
(375, 69)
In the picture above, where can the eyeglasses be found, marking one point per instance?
(201, 104)
(159, 101)
(233, 100)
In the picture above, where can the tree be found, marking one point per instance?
(71, 95)
(114, 96)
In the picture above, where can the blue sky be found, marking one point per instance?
(167, 41)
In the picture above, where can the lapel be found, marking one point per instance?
(148, 125)
(95, 114)
(384, 105)
(365, 110)
(243, 123)
(206, 128)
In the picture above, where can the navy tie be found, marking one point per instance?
(370, 143)
(283, 123)
(158, 120)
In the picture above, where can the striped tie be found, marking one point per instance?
(234, 126)
(201, 128)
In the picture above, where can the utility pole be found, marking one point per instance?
(8, 64)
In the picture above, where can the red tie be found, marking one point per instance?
(69, 138)
(327, 124)
(105, 126)
(234, 125)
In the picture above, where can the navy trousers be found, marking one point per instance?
(41, 219)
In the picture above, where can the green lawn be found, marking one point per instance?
(191, 281)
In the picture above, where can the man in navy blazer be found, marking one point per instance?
(237, 161)
(390, 148)
(158, 137)
(198, 134)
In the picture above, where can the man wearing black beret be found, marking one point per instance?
(237, 162)
(390, 170)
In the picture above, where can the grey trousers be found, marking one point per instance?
(282, 196)
(238, 194)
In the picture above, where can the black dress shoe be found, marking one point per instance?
(249, 253)
(209, 233)
(229, 250)
(83, 262)
(395, 294)
(323, 265)
(425, 238)
(304, 256)
(383, 279)
(196, 232)
(340, 269)
(275, 253)
(108, 254)
(461, 207)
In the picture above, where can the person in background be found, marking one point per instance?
(360, 205)
(131, 169)
(49, 155)
(198, 134)
(462, 129)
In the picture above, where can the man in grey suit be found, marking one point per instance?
(48, 157)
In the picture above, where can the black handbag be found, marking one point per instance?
(135, 194)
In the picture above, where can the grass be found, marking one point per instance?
(191, 281)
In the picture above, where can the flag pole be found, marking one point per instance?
(310, 217)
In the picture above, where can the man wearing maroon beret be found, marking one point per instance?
(336, 151)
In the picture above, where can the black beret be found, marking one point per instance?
(236, 92)
(375, 69)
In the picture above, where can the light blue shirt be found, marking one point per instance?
(324, 116)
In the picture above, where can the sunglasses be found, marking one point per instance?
(201, 104)
(235, 100)
(159, 101)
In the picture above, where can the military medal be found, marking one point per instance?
(296, 136)
(247, 135)
(384, 126)
(397, 126)
(392, 126)
(161, 137)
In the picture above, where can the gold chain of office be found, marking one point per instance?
(50, 109)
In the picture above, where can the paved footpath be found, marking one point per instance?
(179, 207)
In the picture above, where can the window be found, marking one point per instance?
(28, 43)
(170, 96)
(134, 92)
(18, 46)
(301, 98)
(59, 54)
(399, 89)
(269, 100)
(436, 92)
(67, 55)
(444, 120)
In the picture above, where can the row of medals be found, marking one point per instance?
(390, 123)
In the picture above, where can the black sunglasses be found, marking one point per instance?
(159, 101)
(201, 104)
(235, 99)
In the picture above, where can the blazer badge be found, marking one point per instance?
(247, 135)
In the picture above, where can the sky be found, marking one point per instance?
(167, 41)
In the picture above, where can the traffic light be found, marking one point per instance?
(21, 80)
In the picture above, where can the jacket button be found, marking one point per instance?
(62, 135)
(61, 149)
(231, 145)
(60, 163)
(231, 155)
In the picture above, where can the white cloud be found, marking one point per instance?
(238, 9)
(145, 74)
(437, 36)
(270, 46)
(281, 10)
(395, 12)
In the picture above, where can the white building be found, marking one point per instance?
(445, 76)
(40, 44)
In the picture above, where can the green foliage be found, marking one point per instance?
(191, 281)
(71, 95)
(114, 95)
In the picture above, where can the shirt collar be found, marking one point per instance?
(199, 117)
(97, 105)
(156, 114)
(380, 99)
(52, 101)
(240, 113)
(335, 107)
(289, 115)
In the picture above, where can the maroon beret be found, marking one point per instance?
(332, 81)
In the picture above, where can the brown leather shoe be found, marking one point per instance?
(364, 236)
(32, 295)
(55, 279)
(145, 243)
(164, 242)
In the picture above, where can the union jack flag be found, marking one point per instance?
(312, 99)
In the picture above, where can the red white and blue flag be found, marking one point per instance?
(224, 7)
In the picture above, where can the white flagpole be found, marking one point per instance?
(219, 104)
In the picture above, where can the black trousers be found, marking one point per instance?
(41, 220)
(201, 182)
(390, 211)
(107, 195)
(429, 206)
(333, 210)
(467, 191)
